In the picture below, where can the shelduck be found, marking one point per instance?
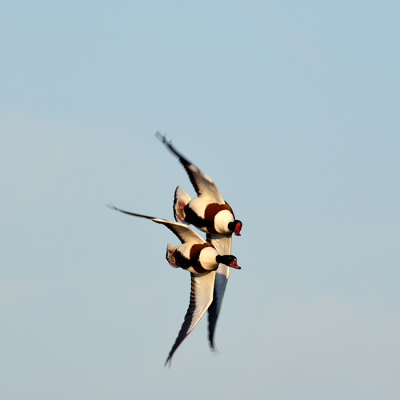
(210, 213)
(202, 260)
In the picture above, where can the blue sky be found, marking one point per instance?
(292, 109)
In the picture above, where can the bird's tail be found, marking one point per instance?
(170, 254)
(181, 199)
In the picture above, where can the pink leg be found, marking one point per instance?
(180, 217)
(181, 205)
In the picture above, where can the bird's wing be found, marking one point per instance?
(183, 232)
(203, 184)
(201, 296)
(222, 244)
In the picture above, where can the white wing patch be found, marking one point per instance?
(203, 184)
(201, 296)
(183, 232)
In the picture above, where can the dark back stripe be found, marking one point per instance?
(199, 269)
(213, 209)
(195, 250)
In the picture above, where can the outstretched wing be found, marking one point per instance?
(203, 184)
(201, 296)
(222, 244)
(183, 232)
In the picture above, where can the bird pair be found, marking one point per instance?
(207, 261)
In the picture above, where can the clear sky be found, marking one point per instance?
(292, 108)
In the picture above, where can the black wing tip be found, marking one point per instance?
(211, 341)
(168, 362)
(173, 205)
(110, 205)
(161, 137)
(213, 347)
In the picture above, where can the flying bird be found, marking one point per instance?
(210, 213)
(201, 259)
